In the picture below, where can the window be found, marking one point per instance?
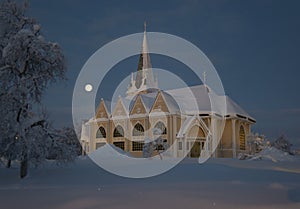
(187, 145)
(137, 146)
(180, 145)
(101, 133)
(159, 128)
(100, 144)
(121, 145)
(138, 130)
(119, 131)
(242, 138)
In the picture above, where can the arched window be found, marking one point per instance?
(159, 128)
(119, 131)
(138, 130)
(101, 133)
(242, 138)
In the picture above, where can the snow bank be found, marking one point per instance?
(271, 153)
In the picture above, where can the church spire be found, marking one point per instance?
(144, 77)
(144, 66)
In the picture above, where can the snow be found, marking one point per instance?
(205, 100)
(219, 183)
(275, 155)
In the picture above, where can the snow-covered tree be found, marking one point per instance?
(257, 142)
(159, 145)
(283, 144)
(28, 64)
(64, 145)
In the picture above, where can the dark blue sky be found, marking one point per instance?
(254, 45)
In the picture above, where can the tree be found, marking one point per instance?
(64, 145)
(257, 143)
(283, 144)
(28, 65)
(159, 145)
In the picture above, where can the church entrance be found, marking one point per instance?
(196, 149)
(196, 135)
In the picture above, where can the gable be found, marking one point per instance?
(159, 104)
(102, 111)
(119, 109)
(138, 107)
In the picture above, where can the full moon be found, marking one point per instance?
(88, 87)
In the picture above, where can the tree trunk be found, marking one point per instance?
(8, 164)
(23, 168)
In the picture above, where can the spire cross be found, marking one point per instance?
(145, 26)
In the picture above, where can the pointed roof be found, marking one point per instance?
(145, 52)
(136, 103)
(119, 108)
(144, 65)
(102, 109)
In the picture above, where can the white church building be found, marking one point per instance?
(190, 130)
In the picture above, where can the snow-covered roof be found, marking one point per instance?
(201, 99)
(170, 102)
(148, 100)
(189, 100)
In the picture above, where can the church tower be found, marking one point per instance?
(143, 81)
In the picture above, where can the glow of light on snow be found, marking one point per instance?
(88, 88)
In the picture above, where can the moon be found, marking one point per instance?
(88, 88)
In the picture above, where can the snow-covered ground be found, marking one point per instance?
(218, 183)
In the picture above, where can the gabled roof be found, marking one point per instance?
(200, 99)
(148, 100)
(105, 106)
(189, 100)
(234, 108)
(119, 102)
(170, 102)
(135, 104)
(192, 99)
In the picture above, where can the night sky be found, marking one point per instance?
(254, 45)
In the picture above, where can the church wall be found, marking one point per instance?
(247, 128)
(179, 121)
(206, 121)
(173, 124)
(226, 140)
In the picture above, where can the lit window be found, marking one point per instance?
(137, 146)
(101, 133)
(121, 145)
(242, 138)
(161, 127)
(138, 130)
(119, 131)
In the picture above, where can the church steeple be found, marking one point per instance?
(144, 76)
(145, 52)
(144, 61)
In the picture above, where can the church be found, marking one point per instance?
(147, 113)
